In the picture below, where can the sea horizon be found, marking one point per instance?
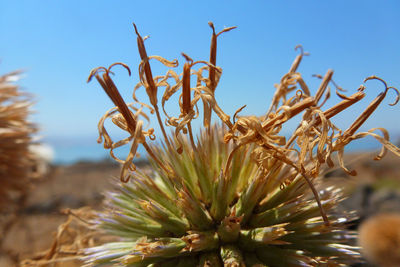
(69, 150)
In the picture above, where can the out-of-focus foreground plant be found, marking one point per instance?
(16, 160)
(380, 239)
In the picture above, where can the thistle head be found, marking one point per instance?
(240, 194)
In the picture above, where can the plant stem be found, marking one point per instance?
(154, 157)
(162, 126)
(191, 135)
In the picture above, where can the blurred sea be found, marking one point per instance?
(70, 150)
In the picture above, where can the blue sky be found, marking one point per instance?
(59, 42)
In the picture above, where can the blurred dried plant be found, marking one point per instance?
(70, 239)
(380, 239)
(16, 160)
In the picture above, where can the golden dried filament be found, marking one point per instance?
(151, 88)
(369, 110)
(397, 97)
(213, 54)
(323, 86)
(291, 112)
(120, 103)
(186, 105)
(344, 104)
(329, 113)
(119, 64)
(298, 59)
(237, 112)
(303, 86)
(364, 116)
(111, 90)
(213, 57)
(186, 98)
(212, 71)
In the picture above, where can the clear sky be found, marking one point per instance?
(59, 42)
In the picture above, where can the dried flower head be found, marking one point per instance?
(239, 195)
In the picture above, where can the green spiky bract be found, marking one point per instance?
(203, 216)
